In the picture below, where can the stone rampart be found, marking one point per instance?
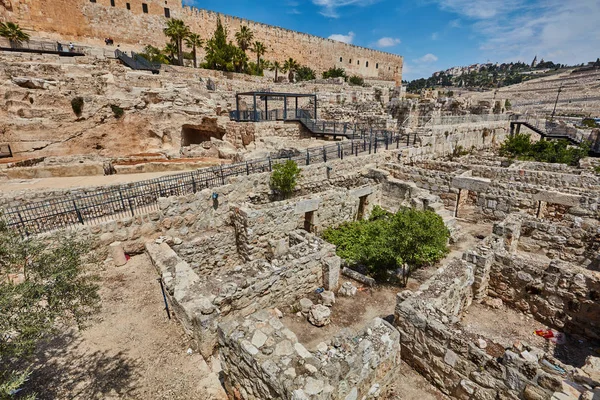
(129, 23)
(262, 359)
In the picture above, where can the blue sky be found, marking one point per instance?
(437, 34)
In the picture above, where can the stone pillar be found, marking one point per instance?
(331, 272)
(118, 254)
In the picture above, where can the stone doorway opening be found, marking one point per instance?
(195, 134)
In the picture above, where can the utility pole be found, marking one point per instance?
(556, 102)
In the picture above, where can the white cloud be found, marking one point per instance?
(294, 11)
(480, 8)
(435, 36)
(564, 32)
(455, 23)
(329, 7)
(343, 38)
(427, 58)
(387, 42)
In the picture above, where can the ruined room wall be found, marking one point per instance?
(576, 242)
(84, 21)
(257, 226)
(262, 359)
(446, 353)
(559, 294)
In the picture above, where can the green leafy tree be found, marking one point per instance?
(244, 38)
(551, 151)
(305, 73)
(387, 242)
(275, 66)
(43, 281)
(13, 33)
(259, 49)
(335, 73)
(219, 53)
(154, 54)
(284, 178)
(193, 40)
(517, 144)
(290, 66)
(177, 31)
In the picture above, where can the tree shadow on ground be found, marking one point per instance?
(64, 368)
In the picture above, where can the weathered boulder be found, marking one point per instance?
(347, 289)
(319, 315)
(305, 305)
(327, 298)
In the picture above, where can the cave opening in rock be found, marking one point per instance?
(193, 134)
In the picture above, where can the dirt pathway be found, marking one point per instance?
(132, 351)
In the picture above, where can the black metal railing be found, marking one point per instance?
(127, 200)
(137, 62)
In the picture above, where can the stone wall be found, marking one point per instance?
(258, 226)
(262, 359)
(202, 299)
(577, 242)
(90, 22)
(447, 354)
(557, 293)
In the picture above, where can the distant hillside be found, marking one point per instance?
(490, 76)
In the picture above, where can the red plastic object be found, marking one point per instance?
(545, 333)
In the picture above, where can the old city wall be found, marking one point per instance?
(87, 21)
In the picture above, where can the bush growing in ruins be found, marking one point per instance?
(519, 146)
(356, 80)
(117, 111)
(335, 73)
(386, 242)
(284, 178)
(43, 283)
(305, 73)
(77, 105)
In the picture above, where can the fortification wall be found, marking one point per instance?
(127, 23)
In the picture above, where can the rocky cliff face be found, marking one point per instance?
(122, 111)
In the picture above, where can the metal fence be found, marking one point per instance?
(107, 204)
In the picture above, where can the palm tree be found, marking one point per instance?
(239, 59)
(171, 52)
(194, 41)
(177, 30)
(275, 66)
(259, 49)
(13, 33)
(244, 38)
(290, 66)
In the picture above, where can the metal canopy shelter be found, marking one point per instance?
(265, 96)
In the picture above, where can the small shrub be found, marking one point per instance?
(597, 169)
(117, 111)
(556, 151)
(77, 105)
(284, 178)
(450, 93)
(507, 104)
(335, 73)
(356, 80)
(590, 123)
(305, 73)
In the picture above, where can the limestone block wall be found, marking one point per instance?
(560, 294)
(258, 226)
(262, 359)
(91, 22)
(577, 242)
(446, 353)
(441, 140)
(203, 298)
